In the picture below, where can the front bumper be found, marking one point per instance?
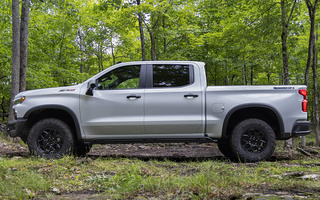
(301, 128)
(15, 128)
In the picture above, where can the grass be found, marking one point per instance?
(123, 178)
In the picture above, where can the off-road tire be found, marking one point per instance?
(253, 140)
(50, 138)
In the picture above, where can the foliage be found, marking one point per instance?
(240, 41)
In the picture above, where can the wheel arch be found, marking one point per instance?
(53, 111)
(259, 111)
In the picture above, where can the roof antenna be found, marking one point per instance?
(119, 62)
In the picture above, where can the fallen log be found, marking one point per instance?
(304, 152)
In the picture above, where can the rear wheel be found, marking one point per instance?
(253, 140)
(50, 138)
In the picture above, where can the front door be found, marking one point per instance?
(116, 108)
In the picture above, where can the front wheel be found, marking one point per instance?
(50, 138)
(253, 140)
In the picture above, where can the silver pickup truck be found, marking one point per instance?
(159, 101)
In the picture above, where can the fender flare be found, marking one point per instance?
(58, 107)
(247, 106)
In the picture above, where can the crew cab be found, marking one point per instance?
(159, 101)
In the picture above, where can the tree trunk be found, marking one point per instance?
(164, 37)
(153, 44)
(311, 10)
(143, 49)
(251, 75)
(315, 95)
(244, 72)
(15, 56)
(24, 44)
(284, 35)
(112, 53)
(312, 50)
(101, 58)
(81, 51)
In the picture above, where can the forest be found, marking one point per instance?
(242, 42)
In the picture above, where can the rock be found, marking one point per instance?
(276, 176)
(13, 169)
(310, 176)
(56, 191)
(28, 192)
(294, 174)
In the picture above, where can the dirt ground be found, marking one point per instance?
(175, 151)
(142, 151)
(171, 151)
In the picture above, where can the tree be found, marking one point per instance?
(285, 21)
(312, 61)
(15, 56)
(19, 50)
(285, 25)
(140, 19)
(24, 35)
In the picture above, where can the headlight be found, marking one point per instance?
(19, 100)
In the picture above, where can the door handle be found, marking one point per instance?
(133, 97)
(190, 96)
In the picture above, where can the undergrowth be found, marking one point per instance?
(121, 178)
(27, 177)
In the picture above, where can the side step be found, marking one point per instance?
(152, 140)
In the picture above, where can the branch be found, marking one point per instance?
(268, 9)
(304, 152)
(291, 12)
(146, 25)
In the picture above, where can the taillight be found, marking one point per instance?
(303, 92)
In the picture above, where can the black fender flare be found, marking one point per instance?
(58, 107)
(248, 106)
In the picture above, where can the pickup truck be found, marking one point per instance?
(159, 101)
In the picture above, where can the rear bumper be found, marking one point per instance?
(301, 128)
(15, 128)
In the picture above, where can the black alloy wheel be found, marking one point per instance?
(254, 141)
(50, 138)
(50, 141)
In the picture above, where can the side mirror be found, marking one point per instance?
(91, 86)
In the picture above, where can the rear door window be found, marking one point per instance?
(172, 75)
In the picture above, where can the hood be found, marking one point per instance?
(50, 91)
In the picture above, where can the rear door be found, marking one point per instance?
(173, 100)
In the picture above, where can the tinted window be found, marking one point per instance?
(171, 75)
(120, 78)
